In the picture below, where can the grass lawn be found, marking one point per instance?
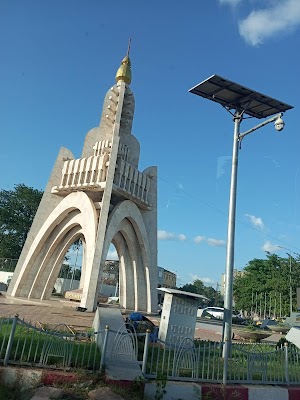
(34, 346)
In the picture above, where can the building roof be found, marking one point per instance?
(182, 293)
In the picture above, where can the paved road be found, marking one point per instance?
(212, 330)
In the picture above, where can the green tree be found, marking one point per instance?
(265, 280)
(65, 271)
(17, 210)
(198, 287)
(189, 287)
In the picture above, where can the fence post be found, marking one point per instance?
(10, 340)
(225, 367)
(146, 348)
(286, 363)
(103, 351)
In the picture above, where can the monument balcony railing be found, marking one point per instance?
(90, 173)
(132, 184)
(83, 174)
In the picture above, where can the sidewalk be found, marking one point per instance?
(46, 312)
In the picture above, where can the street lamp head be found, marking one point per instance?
(279, 124)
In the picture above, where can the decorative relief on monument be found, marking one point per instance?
(109, 113)
(127, 112)
(123, 152)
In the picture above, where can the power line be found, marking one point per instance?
(226, 214)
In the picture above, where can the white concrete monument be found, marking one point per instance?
(101, 198)
(178, 316)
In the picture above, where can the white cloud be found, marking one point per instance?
(215, 242)
(181, 237)
(210, 241)
(263, 24)
(112, 255)
(222, 163)
(231, 3)
(164, 235)
(268, 246)
(199, 239)
(256, 221)
(206, 280)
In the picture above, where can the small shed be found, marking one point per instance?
(178, 316)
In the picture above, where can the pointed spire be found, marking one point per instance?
(124, 71)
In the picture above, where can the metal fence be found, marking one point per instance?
(199, 361)
(67, 271)
(24, 344)
(202, 361)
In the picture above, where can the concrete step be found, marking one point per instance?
(125, 368)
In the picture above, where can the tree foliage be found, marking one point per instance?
(198, 287)
(69, 272)
(17, 210)
(267, 282)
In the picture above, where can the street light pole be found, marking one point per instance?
(242, 100)
(291, 294)
(291, 291)
(227, 329)
(228, 300)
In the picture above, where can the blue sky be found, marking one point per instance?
(59, 58)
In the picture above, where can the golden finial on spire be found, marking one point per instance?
(124, 71)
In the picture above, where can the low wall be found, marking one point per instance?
(193, 391)
(61, 284)
(108, 290)
(30, 378)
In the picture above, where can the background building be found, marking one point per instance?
(223, 280)
(165, 279)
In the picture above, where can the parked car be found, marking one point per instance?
(218, 313)
(215, 312)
